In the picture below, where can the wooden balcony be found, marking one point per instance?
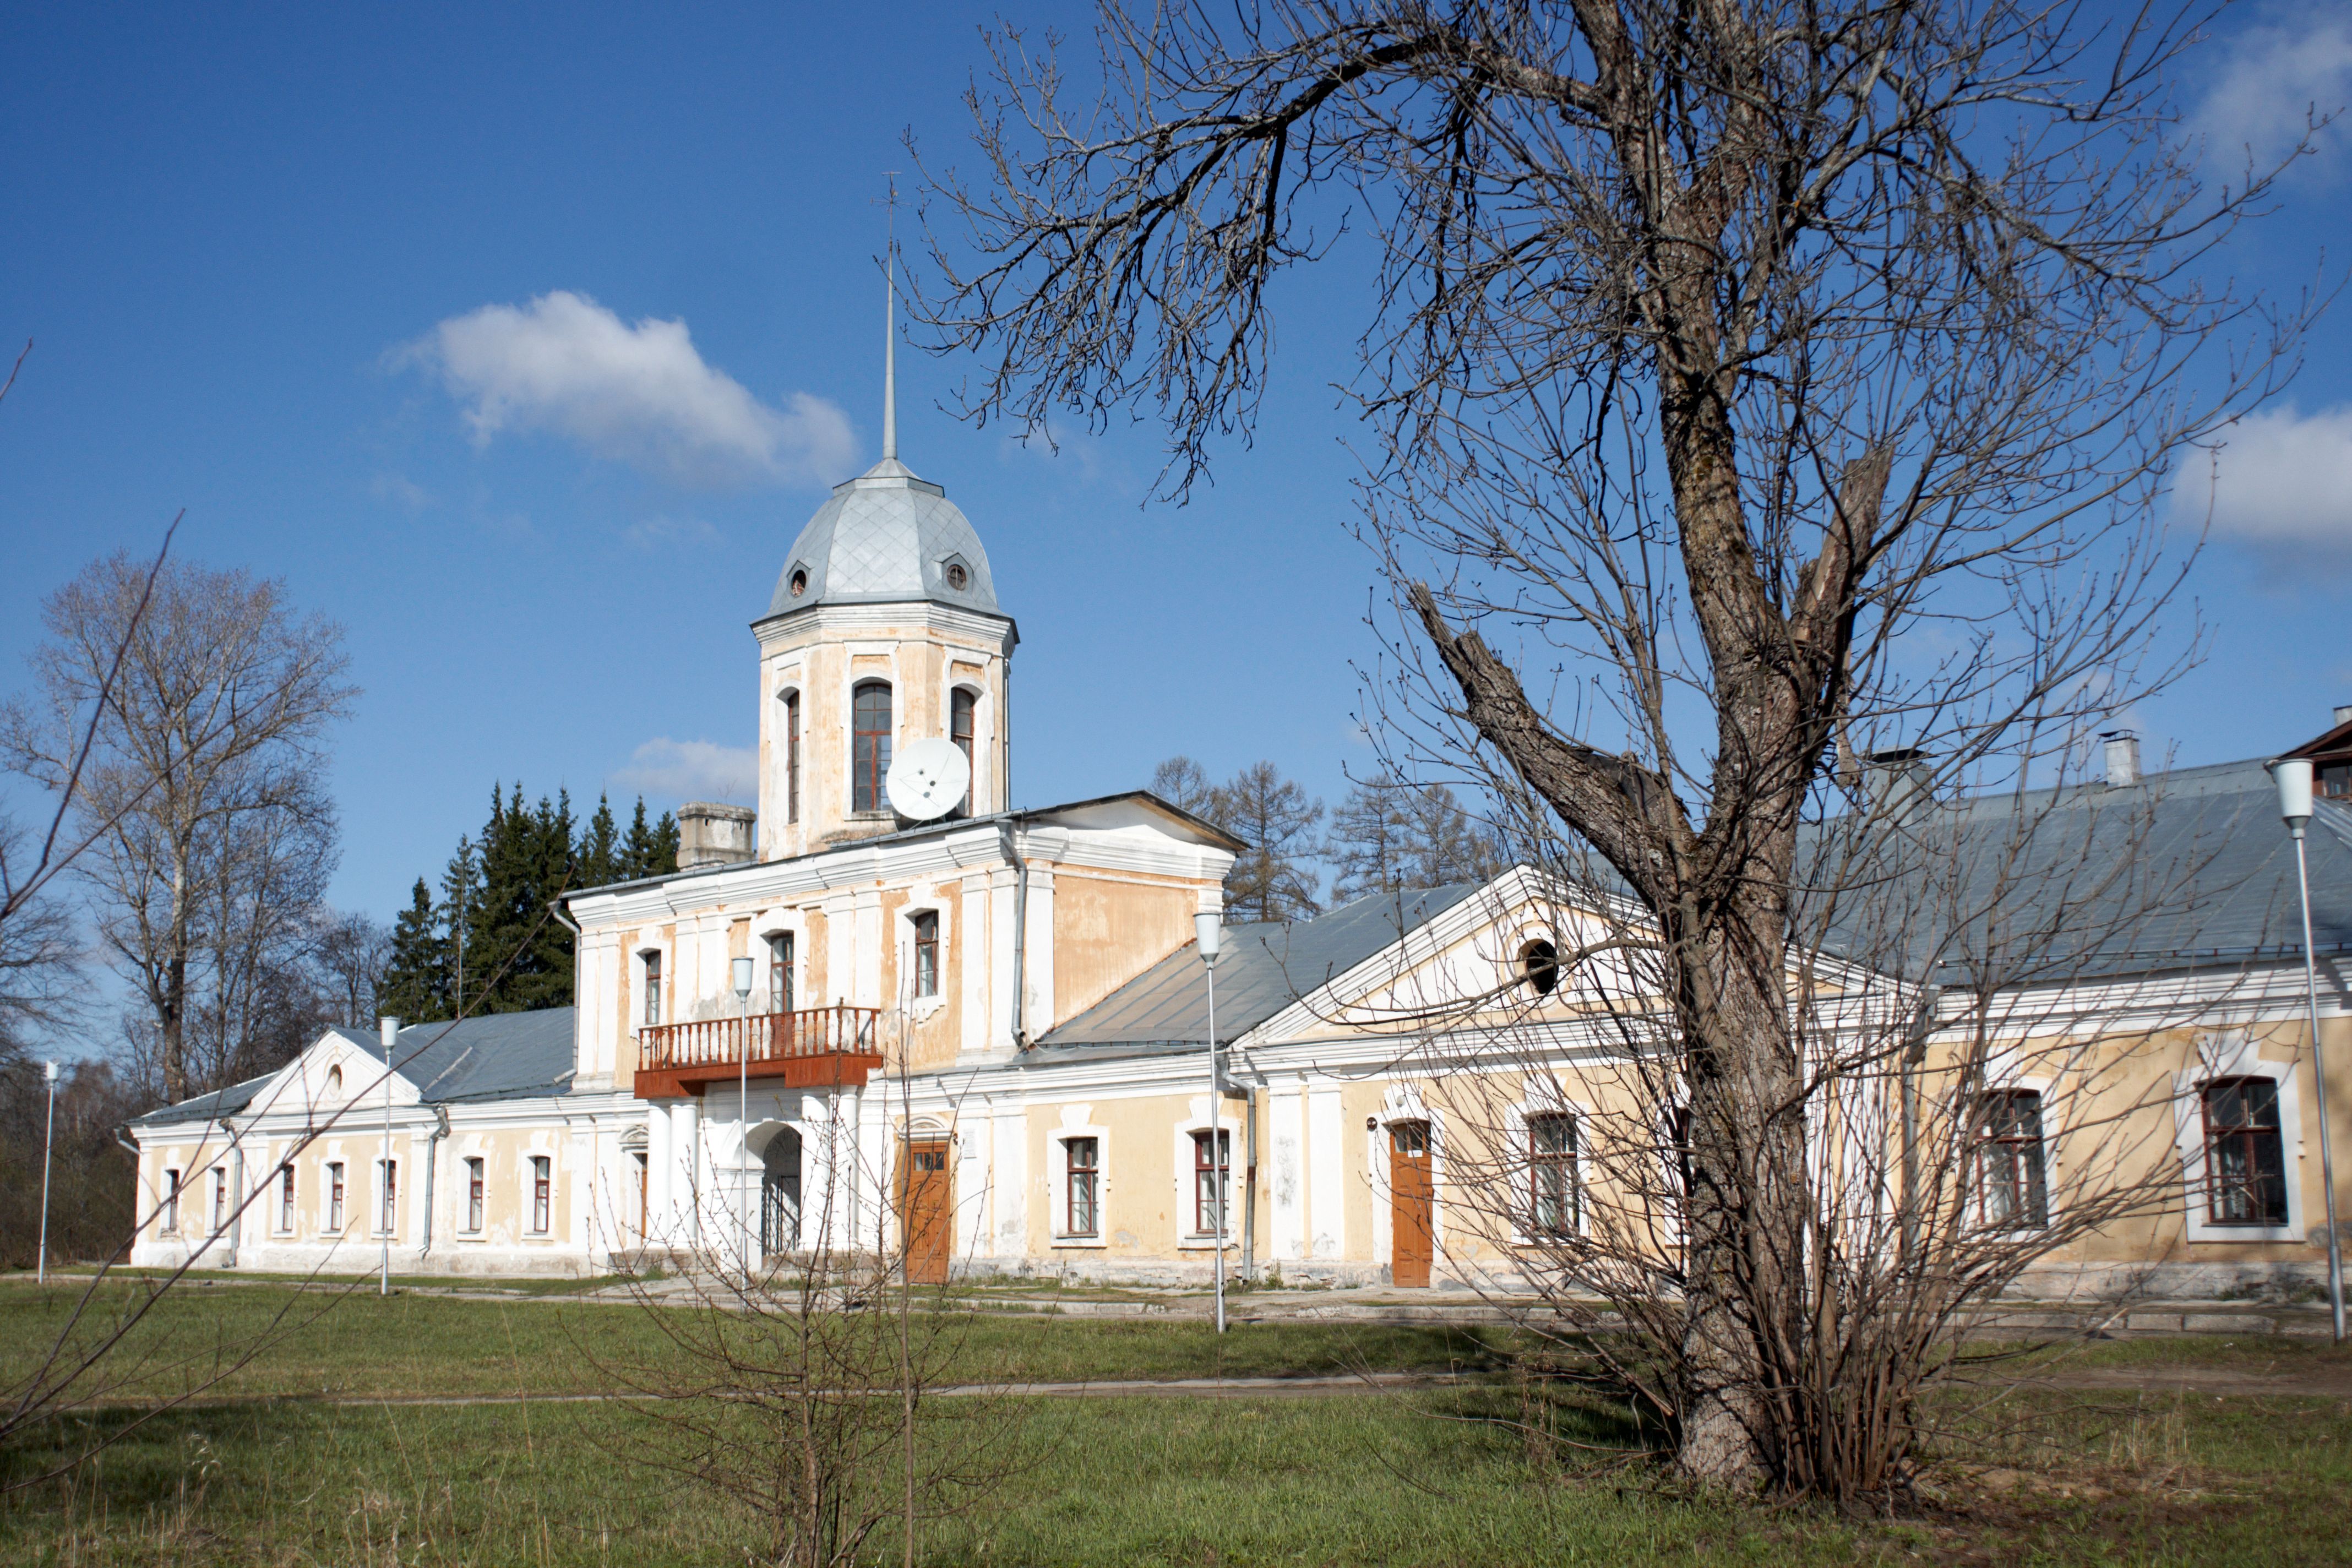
(816, 1047)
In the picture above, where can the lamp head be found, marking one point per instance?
(742, 978)
(387, 1031)
(1206, 925)
(2293, 776)
(49, 1071)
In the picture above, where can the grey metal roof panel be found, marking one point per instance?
(220, 1102)
(885, 537)
(2185, 869)
(1265, 967)
(494, 1056)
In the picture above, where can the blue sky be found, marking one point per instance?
(303, 271)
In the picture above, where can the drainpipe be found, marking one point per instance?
(1010, 833)
(1249, 1182)
(236, 1195)
(432, 1146)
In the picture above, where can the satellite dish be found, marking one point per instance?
(928, 780)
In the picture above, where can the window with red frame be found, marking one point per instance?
(1210, 1179)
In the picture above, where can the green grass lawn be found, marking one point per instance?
(2056, 1475)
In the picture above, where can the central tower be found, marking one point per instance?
(884, 628)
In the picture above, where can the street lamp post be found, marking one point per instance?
(2294, 778)
(48, 1142)
(743, 1110)
(388, 1032)
(1205, 926)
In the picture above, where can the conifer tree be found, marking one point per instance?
(599, 854)
(1274, 878)
(416, 982)
(1368, 846)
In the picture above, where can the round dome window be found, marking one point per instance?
(1540, 967)
(799, 581)
(957, 578)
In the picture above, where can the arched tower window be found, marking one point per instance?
(963, 703)
(869, 750)
(792, 756)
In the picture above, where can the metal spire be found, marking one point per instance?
(890, 333)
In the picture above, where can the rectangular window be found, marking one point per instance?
(1084, 1156)
(653, 988)
(220, 1200)
(335, 1196)
(539, 1194)
(474, 1193)
(792, 756)
(2012, 1182)
(286, 1198)
(780, 972)
(1552, 1170)
(927, 954)
(387, 1187)
(1209, 1180)
(2246, 1158)
(638, 1160)
(869, 754)
(171, 1201)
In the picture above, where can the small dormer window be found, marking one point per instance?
(798, 581)
(957, 578)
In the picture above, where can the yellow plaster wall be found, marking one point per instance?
(1108, 929)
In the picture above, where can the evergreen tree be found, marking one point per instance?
(1274, 878)
(461, 886)
(416, 981)
(599, 854)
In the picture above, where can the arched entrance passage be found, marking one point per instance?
(779, 1148)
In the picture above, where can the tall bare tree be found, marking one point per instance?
(211, 829)
(1790, 378)
(1274, 877)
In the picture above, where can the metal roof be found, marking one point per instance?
(885, 537)
(1264, 966)
(498, 1056)
(2182, 869)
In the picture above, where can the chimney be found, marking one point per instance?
(2343, 713)
(2123, 758)
(713, 835)
(1899, 782)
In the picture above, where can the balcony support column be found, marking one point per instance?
(660, 1156)
(688, 1167)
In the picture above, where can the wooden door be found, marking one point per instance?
(925, 1202)
(1412, 1199)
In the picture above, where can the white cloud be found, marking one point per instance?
(641, 394)
(690, 770)
(401, 489)
(2272, 82)
(2280, 478)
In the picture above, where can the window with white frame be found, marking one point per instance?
(542, 1197)
(474, 1192)
(335, 1195)
(925, 924)
(220, 1200)
(1210, 1177)
(1553, 1207)
(2245, 1152)
(171, 1201)
(792, 756)
(387, 1187)
(2012, 1177)
(780, 971)
(869, 747)
(1082, 1188)
(286, 1199)
(650, 965)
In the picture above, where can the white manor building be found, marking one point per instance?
(993, 1022)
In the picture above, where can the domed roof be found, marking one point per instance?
(885, 537)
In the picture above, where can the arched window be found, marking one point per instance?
(792, 756)
(869, 748)
(927, 954)
(963, 703)
(1540, 966)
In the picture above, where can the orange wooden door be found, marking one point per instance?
(1411, 1200)
(926, 1200)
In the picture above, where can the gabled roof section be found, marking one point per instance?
(498, 1055)
(1265, 967)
